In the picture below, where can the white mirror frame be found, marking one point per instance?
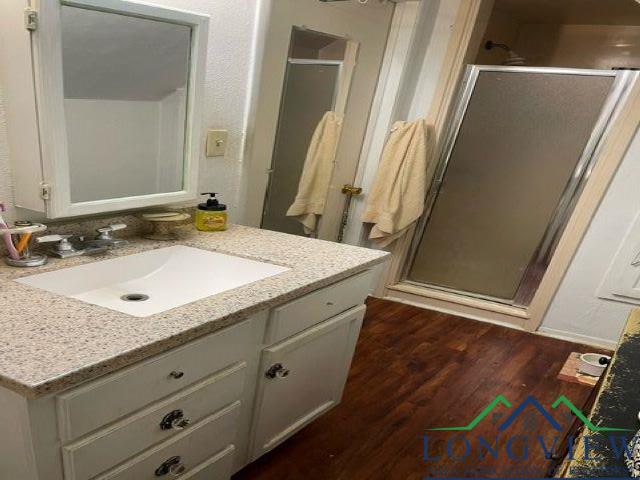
(47, 52)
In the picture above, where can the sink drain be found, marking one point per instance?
(134, 297)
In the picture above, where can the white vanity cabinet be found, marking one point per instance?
(303, 377)
(200, 411)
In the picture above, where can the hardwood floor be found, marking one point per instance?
(415, 370)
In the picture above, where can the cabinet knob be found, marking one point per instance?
(176, 374)
(175, 420)
(172, 466)
(277, 370)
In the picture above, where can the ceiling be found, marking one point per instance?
(312, 40)
(579, 12)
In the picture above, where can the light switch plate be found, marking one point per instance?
(216, 143)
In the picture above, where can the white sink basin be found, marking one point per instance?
(154, 281)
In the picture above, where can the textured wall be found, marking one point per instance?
(6, 192)
(230, 57)
(580, 46)
(229, 62)
(577, 311)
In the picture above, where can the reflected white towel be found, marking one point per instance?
(316, 174)
(399, 190)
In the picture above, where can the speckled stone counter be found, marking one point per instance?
(617, 405)
(49, 342)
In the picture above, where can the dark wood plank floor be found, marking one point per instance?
(414, 370)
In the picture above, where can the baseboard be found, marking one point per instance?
(577, 338)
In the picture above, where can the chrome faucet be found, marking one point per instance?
(62, 247)
(66, 246)
(105, 237)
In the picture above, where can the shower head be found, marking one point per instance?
(512, 57)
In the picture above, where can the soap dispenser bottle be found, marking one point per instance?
(212, 215)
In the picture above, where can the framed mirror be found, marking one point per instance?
(118, 88)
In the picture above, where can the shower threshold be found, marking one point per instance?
(458, 303)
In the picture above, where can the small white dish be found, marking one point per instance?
(590, 364)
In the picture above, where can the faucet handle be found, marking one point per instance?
(52, 238)
(112, 227)
(63, 245)
(104, 233)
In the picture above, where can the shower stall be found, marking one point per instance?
(519, 149)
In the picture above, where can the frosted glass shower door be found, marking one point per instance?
(309, 92)
(520, 142)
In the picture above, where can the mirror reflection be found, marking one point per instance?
(309, 127)
(125, 102)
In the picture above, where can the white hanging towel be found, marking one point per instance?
(398, 193)
(316, 174)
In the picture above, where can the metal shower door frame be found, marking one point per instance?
(624, 81)
(332, 63)
(291, 62)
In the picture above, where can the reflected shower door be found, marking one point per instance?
(310, 89)
(521, 145)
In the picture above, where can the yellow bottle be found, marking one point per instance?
(211, 216)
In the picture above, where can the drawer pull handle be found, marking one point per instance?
(172, 466)
(330, 304)
(276, 371)
(175, 420)
(176, 374)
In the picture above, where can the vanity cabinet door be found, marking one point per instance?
(302, 377)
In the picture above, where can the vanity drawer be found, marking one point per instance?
(108, 447)
(318, 306)
(206, 442)
(218, 467)
(92, 406)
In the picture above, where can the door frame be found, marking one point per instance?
(467, 32)
(394, 72)
(258, 145)
(337, 96)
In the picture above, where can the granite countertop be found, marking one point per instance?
(49, 342)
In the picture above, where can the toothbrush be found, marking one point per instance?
(24, 241)
(13, 253)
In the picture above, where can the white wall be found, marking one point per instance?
(171, 132)
(6, 193)
(229, 63)
(576, 311)
(113, 147)
(136, 147)
(562, 45)
(580, 46)
(229, 68)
